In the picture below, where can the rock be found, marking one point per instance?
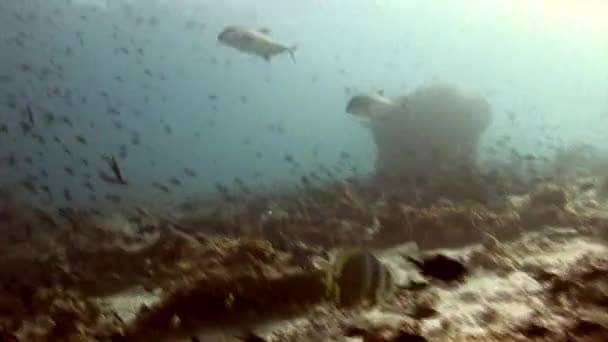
(434, 127)
(548, 195)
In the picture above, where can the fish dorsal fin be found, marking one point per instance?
(264, 30)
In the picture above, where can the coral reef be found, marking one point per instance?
(69, 275)
(435, 127)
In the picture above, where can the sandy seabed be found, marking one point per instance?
(537, 270)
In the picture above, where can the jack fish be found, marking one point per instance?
(254, 42)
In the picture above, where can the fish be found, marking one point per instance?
(440, 267)
(254, 42)
(118, 177)
(116, 170)
(369, 106)
(80, 139)
(30, 116)
(190, 172)
(161, 187)
(357, 277)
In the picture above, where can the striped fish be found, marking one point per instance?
(358, 277)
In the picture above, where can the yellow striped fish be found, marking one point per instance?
(358, 277)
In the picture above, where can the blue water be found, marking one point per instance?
(146, 65)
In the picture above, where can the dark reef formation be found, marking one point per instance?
(435, 127)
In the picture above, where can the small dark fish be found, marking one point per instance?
(529, 157)
(242, 186)
(67, 150)
(112, 111)
(81, 139)
(122, 154)
(189, 172)
(67, 195)
(305, 181)
(67, 121)
(25, 127)
(11, 160)
(88, 185)
(39, 138)
(223, 190)
(440, 267)
(30, 116)
(315, 176)
(118, 178)
(161, 187)
(117, 124)
(116, 170)
(175, 181)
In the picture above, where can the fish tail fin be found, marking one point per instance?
(292, 52)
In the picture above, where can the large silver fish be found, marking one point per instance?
(254, 42)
